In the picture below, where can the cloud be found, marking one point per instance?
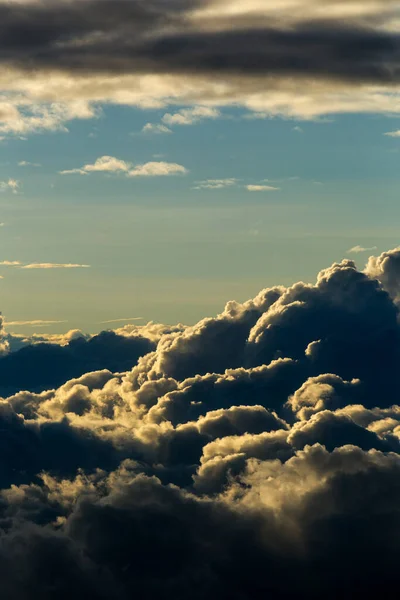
(10, 263)
(37, 323)
(394, 134)
(262, 188)
(156, 128)
(190, 116)
(104, 164)
(55, 266)
(300, 59)
(215, 184)
(122, 320)
(157, 169)
(360, 249)
(110, 164)
(25, 163)
(11, 185)
(263, 442)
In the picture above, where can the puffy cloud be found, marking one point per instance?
(214, 459)
(110, 164)
(190, 116)
(157, 128)
(11, 185)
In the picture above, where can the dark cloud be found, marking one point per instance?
(255, 454)
(42, 366)
(131, 36)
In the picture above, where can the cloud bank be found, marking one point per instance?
(254, 454)
(63, 59)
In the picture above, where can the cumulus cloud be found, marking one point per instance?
(110, 164)
(190, 116)
(259, 443)
(11, 185)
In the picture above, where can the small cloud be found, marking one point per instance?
(25, 163)
(121, 320)
(38, 323)
(104, 164)
(262, 188)
(215, 184)
(190, 116)
(298, 129)
(156, 128)
(10, 263)
(157, 169)
(110, 164)
(55, 266)
(393, 134)
(359, 249)
(10, 185)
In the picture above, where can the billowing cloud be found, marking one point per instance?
(254, 454)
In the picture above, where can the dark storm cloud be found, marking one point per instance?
(131, 36)
(255, 454)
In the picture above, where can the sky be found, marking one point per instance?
(182, 178)
(200, 297)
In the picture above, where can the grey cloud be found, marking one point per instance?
(128, 36)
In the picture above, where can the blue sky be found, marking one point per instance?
(323, 179)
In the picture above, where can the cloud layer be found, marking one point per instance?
(255, 454)
(61, 60)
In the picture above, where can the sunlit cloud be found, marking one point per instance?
(110, 164)
(55, 266)
(262, 188)
(37, 323)
(394, 134)
(190, 116)
(360, 249)
(10, 185)
(10, 263)
(121, 320)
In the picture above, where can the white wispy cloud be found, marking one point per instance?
(359, 249)
(262, 188)
(26, 163)
(121, 320)
(190, 116)
(394, 134)
(110, 164)
(11, 185)
(37, 323)
(156, 128)
(55, 266)
(215, 184)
